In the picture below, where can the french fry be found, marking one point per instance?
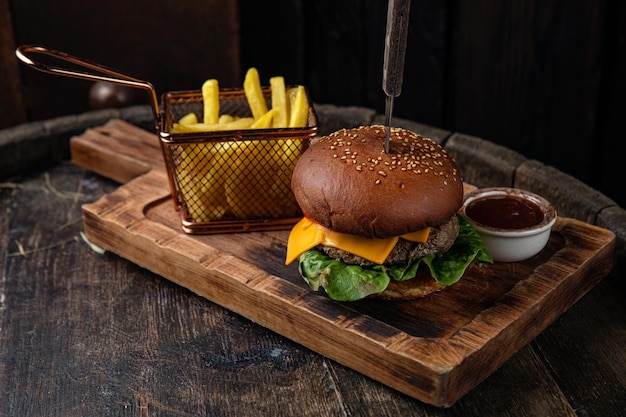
(291, 97)
(279, 102)
(253, 185)
(200, 181)
(239, 124)
(227, 118)
(242, 179)
(300, 109)
(189, 119)
(211, 101)
(254, 94)
(265, 121)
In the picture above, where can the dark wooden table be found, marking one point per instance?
(84, 333)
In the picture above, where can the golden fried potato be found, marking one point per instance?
(265, 121)
(254, 93)
(201, 182)
(242, 179)
(211, 101)
(300, 109)
(256, 188)
(188, 119)
(227, 118)
(242, 123)
(279, 102)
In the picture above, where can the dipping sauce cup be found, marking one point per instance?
(514, 224)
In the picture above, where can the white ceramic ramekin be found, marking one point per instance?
(513, 245)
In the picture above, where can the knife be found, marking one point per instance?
(395, 51)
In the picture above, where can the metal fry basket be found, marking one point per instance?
(221, 181)
(231, 181)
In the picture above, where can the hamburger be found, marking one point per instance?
(380, 224)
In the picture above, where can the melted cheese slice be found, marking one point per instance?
(307, 234)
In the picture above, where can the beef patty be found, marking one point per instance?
(440, 240)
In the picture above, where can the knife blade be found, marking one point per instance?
(393, 59)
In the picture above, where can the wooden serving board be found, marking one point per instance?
(434, 349)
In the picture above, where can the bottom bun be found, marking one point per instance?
(418, 287)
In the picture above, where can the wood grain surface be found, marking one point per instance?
(435, 349)
(83, 333)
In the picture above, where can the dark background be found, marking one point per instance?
(542, 77)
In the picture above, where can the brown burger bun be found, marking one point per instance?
(346, 182)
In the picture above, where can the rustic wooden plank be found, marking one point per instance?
(89, 334)
(523, 74)
(355, 78)
(614, 218)
(38, 145)
(606, 174)
(11, 101)
(453, 339)
(211, 52)
(333, 75)
(83, 333)
(525, 369)
(121, 160)
(426, 76)
(601, 364)
(280, 47)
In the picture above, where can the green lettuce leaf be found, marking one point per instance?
(344, 282)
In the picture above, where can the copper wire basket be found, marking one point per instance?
(223, 181)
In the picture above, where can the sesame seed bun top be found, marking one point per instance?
(346, 182)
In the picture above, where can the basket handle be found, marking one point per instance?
(101, 73)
